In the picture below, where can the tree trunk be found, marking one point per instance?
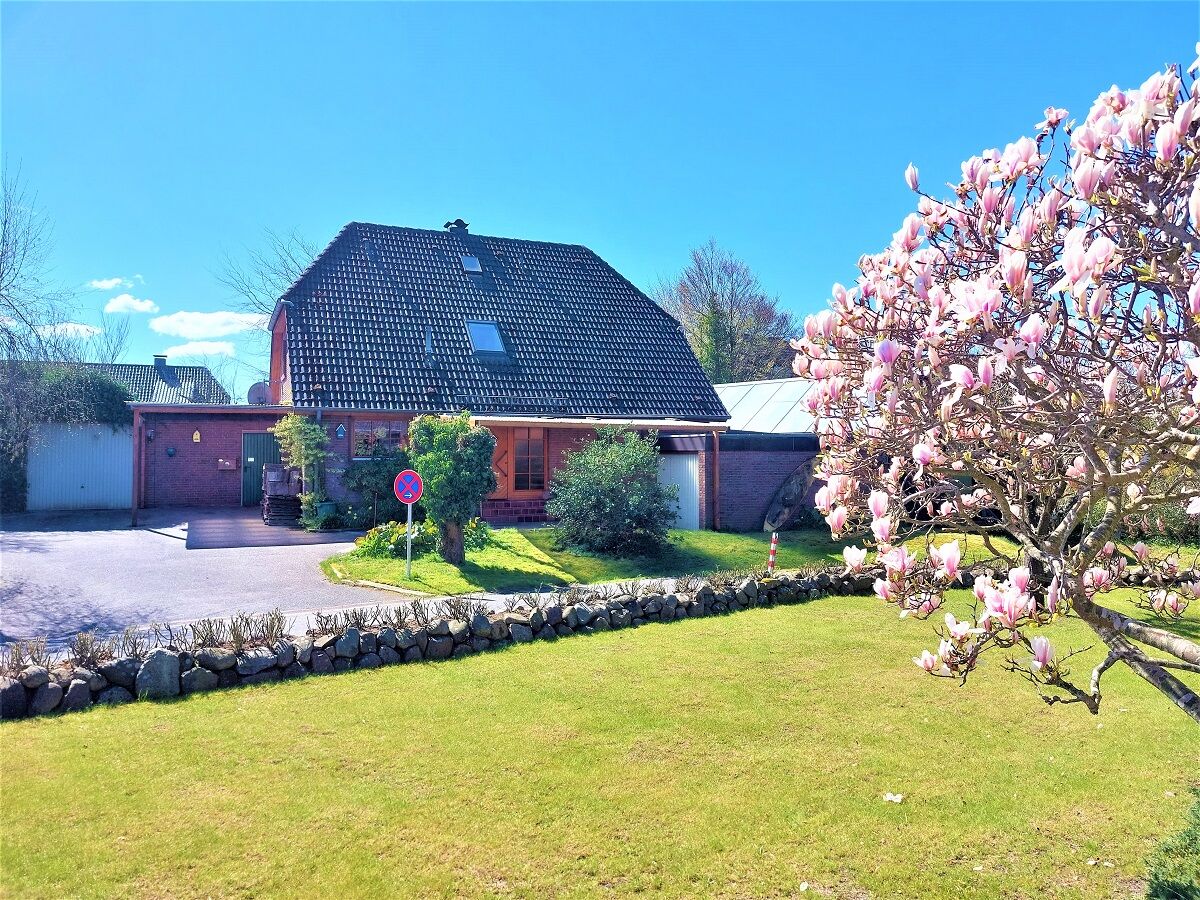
(453, 551)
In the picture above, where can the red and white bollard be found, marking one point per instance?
(771, 558)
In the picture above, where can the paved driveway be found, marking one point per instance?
(61, 573)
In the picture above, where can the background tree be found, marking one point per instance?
(454, 459)
(735, 329)
(264, 273)
(1025, 353)
(302, 445)
(607, 497)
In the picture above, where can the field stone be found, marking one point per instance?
(387, 638)
(95, 681)
(480, 644)
(388, 656)
(342, 664)
(295, 670)
(347, 645)
(304, 649)
(45, 698)
(537, 620)
(199, 679)
(216, 659)
(186, 661)
(481, 626)
(34, 676)
(440, 628)
(440, 647)
(370, 661)
(546, 633)
(62, 676)
(77, 696)
(320, 663)
(422, 635)
(405, 638)
(326, 641)
(228, 678)
(460, 631)
(115, 694)
(562, 629)
(13, 702)
(368, 643)
(583, 613)
(681, 612)
(499, 630)
(600, 623)
(522, 634)
(554, 615)
(285, 653)
(121, 672)
(620, 618)
(255, 661)
(159, 675)
(412, 654)
(461, 650)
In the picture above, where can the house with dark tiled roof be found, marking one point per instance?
(164, 383)
(540, 342)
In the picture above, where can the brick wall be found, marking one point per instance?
(191, 476)
(749, 480)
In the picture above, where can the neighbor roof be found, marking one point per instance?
(578, 339)
(163, 383)
(772, 406)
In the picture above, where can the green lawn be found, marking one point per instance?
(525, 558)
(736, 757)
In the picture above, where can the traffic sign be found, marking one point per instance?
(408, 487)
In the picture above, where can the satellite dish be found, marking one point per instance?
(259, 394)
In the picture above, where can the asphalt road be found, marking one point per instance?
(61, 573)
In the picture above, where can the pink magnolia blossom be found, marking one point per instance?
(1019, 579)
(877, 503)
(1043, 656)
(887, 352)
(911, 178)
(882, 529)
(923, 454)
(1166, 141)
(837, 520)
(947, 558)
(855, 557)
(1193, 507)
(1141, 552)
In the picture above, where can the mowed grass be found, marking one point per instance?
(523, 559)
(738, 756)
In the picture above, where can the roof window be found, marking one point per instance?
(485, 337)
(471, 264)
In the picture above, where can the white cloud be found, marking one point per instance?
(68, 329)
(107, 284)
(197, 325)
(127, 303)
(201, 348)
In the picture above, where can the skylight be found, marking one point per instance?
(485, 337)
(471, 264)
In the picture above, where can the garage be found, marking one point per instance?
(86, 466)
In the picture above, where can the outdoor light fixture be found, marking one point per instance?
(341, 432)
(196, 436)
(150, 435)
(170, 451)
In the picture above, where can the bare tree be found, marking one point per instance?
(735, 328)
(265, 273)
(30, 303)
(110, 343)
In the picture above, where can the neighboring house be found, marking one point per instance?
(540, 342)
(765, 477)
(90, 466)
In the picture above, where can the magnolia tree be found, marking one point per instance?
(1022, 362)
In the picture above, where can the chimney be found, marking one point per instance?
(458, 226)
(160, 360)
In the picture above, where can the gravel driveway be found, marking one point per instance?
(61, 573)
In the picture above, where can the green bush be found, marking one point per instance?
(1174, 867)
(388, 540)
(372, 481)
(608, 499)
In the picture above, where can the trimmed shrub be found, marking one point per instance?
(1174, 867)
(608, 499)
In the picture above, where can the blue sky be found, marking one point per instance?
(160, 136)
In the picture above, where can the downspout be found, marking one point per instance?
(137, 467)
(716, 480)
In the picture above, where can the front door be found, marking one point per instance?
(258, 449)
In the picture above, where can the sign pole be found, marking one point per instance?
(408, 550)
(770, 558)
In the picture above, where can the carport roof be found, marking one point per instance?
(773, 406)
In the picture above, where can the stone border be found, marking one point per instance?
(167, 672)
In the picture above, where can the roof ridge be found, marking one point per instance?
(494, 237)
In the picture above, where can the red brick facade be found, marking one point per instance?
(192, 475)
(749, 480)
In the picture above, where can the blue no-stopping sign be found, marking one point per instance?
(408, 487)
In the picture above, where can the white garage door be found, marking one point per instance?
(683, 471)
(80, 467)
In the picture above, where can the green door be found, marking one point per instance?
(258, 449)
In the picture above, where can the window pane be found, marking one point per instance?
(485, 336)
